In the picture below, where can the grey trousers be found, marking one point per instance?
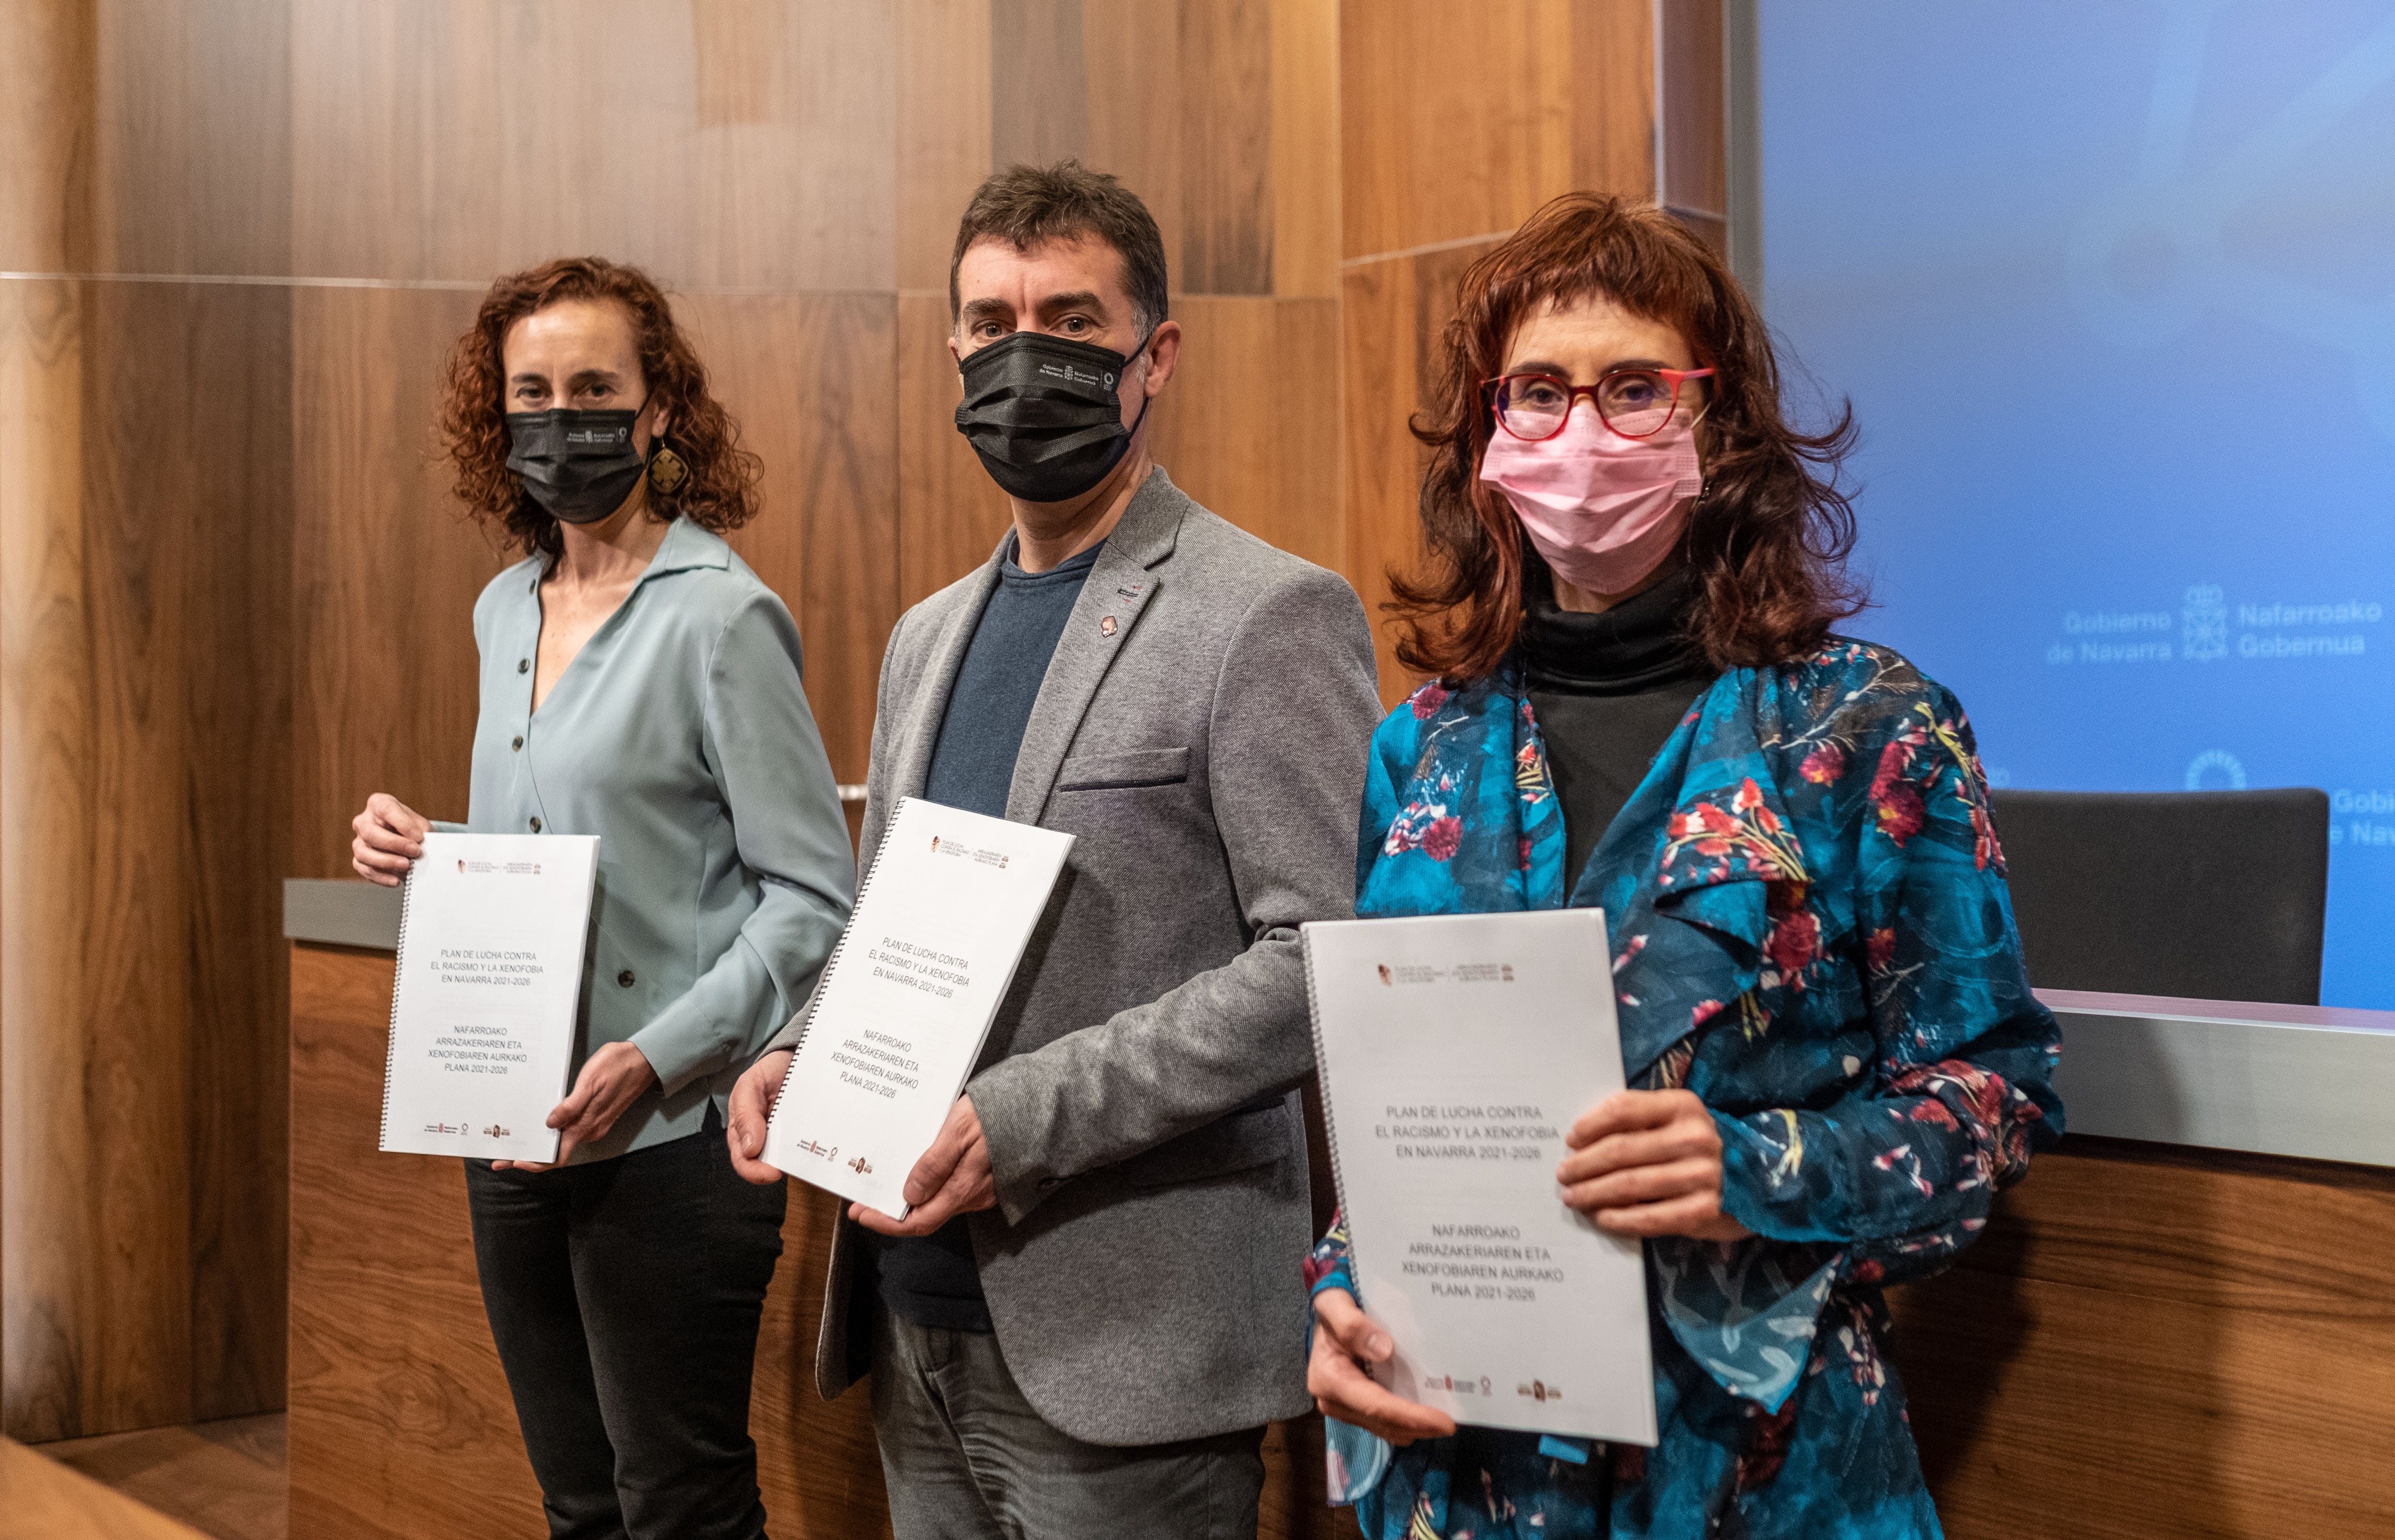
(966, 1458)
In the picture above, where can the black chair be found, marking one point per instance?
(2206, 895)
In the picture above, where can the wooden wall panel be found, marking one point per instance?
(1305, 148)
(1249, 425)
(1226, 134)
(1039, 111)
(230, 373)
(1691, 130)
(1132, 53)
(142, 791)
(1457, 123)
(943, 130)
(455, 139)
(1613, 125)
(47, 67)
(813, 381)
(45, 798)
(950, 514)
(192, 169)
(2168, 1344)
(1394, 310)
(385, 569)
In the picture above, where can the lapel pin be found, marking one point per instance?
(1106, 626)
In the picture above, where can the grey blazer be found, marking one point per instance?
(1202, 729)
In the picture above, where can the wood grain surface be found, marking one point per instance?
(191, 166)
(47, 1501)
(1304, 108)
(1457, 123)
(142, 796)
(721, 144)
(384, 568)
(1395, 312)
(950, 514)
(944, 130)
(1249, 425)
(813, 381)
(225, 1478)
(2162, 1344)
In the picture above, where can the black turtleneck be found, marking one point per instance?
(1608, 688)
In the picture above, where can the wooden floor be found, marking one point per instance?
(224, 1479)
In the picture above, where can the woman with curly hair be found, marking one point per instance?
(1638, 705)
(639, 683)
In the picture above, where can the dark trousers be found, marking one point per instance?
(623, 1297)
(965, 1456)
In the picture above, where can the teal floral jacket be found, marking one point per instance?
(1811, 932)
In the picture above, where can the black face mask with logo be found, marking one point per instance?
(1045, 414)
(579, 465)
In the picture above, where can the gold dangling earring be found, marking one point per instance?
(667, 472)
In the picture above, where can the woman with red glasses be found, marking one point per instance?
(1637, 703)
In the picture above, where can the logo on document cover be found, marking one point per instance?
(862, 1166)
(984, 858)
(817, 1149)
(1461, 973)
(495, 1131)
(1539, 1390)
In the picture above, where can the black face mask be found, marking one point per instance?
(1045, 414)
(579, 466)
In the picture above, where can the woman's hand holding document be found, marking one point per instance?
(491, 936)
(897, 1023)
(1457, 1054)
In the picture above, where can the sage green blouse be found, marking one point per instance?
(680, 735)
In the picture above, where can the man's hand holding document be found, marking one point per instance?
(897, 1023)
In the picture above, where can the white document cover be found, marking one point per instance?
(491, 934)
(1456, 1051)
(906, 1001)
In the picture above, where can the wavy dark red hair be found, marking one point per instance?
(721, 491)
(1765, 543)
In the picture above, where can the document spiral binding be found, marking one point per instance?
(1313, 1025)
(815, 999)
(399, 971)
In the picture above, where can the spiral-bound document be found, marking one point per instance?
(1455, 1052)
(897, 1023)
(491, 934)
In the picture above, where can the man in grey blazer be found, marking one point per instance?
(1096, 1303)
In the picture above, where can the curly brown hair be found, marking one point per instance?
(1767, 541)
(721, 491)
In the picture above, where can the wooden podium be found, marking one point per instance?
(401, 1426)
(2182, 1324)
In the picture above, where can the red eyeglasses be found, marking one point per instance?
(1634, 403)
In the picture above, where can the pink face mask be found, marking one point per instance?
(1603, 509)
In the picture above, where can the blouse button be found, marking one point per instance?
(523, 665)
(625, 978)
(536, 825)
(519, 744)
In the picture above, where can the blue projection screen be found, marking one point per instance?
(2111, 284)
